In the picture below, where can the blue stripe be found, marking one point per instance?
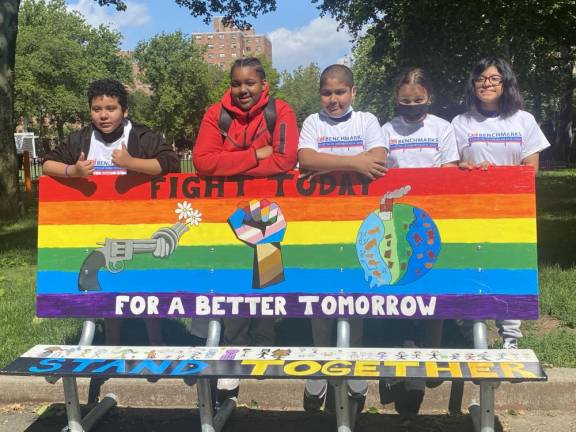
(239, 281)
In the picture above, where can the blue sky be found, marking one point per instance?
(299, 36)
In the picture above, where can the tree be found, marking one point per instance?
(536, 36)
(10, 203)
(182, 84)
(300, 88)
(234, 11)
(57, 56)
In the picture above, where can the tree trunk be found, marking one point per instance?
(564, 130)
(10, 202)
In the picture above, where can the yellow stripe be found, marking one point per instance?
(297, 233)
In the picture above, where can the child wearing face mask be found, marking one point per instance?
(250, 145)
(416, 139)
(339, 139)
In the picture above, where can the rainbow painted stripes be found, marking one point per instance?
(486, 267)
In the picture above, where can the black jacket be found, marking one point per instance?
(142, 143)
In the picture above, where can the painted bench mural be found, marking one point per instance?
(417, 243)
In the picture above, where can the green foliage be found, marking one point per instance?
(233, 11)
(182, 83)
(447, 39)
(373, 80)
(57, 55)
(272, 75)
(141, 108)
(300, 89)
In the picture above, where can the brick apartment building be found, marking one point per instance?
(227, 43)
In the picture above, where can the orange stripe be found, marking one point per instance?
(294, 209)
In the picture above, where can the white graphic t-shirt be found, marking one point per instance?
(360, 133)
(426, 144)
(501, 141)
(101, 151)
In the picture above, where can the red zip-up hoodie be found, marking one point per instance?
(215, 154)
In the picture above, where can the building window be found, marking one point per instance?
(233, 46)
(221, 36)
(233, 55)
(248, 49)
(210, 46)
(222, 55)
(198, 37)
(258, 48)
(210, 55)
(210, 36)
(222, 46)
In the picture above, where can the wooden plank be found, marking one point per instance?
(278, 362)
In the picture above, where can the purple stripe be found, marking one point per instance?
(102, 305)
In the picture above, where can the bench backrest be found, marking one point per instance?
(417, 243)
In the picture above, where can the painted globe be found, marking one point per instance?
(398, 246)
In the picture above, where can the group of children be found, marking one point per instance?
(250, 133)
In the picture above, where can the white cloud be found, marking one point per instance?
(318, 41)
(135, 15)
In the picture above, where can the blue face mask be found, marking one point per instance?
(343, 117)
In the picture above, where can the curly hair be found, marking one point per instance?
(108, 87)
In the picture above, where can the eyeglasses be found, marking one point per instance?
(492, 79)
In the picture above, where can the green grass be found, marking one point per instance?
(20, 327)
(558, 294)
(556, 348)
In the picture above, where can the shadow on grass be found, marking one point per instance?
(24, 237)
(556, 209)
(244, 419)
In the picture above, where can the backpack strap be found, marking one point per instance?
(270, 115)
(225, 120)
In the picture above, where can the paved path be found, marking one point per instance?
(17, 417)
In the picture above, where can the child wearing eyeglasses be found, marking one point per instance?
(495, 131)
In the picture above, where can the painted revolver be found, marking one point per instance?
(115, 252)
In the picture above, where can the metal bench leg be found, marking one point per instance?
(346, 407)
(75, 421)
(72, 406)
(209, 421)
(483, 415)
(88, 330)
(86, 338)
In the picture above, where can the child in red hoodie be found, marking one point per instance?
(246, 133)
(248, 147)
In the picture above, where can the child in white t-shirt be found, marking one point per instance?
(416, 139)
(112, 145)
(339, 139)
(495, 131)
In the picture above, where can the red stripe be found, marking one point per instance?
(427, 181)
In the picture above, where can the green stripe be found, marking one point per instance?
(452, 255)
